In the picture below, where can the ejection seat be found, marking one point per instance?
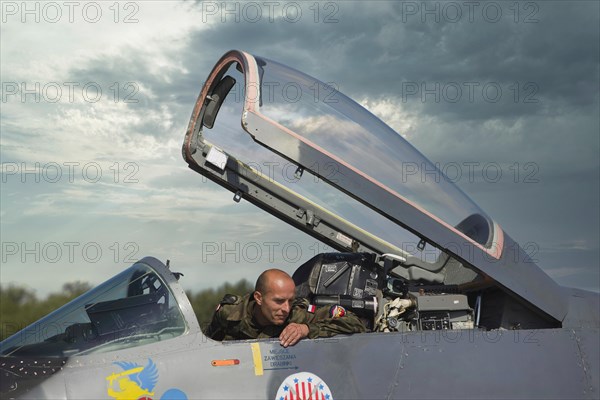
(351, 280)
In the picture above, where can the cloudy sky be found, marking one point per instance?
(96, 97)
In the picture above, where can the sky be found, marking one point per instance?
(96, 98)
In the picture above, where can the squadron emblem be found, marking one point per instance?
(303, 386)
(137, 383)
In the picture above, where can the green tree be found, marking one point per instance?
(20, 307)
(205, 301)
(17, 309)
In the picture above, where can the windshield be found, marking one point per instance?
(134, 308)
(228, 134)
(304, 113)
(336, 125)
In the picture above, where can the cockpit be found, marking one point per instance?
(139, 306)
(134, 308)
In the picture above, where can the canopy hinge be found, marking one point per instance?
(311, 218)
(237, 196)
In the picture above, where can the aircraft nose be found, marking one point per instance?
(19, 375)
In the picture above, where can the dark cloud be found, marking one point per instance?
(545, 60)
(541, 56)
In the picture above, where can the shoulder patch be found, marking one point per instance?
(230, 299)
(337, 311)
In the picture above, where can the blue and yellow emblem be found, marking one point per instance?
(137, 383)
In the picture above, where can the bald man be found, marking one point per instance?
(273, 311)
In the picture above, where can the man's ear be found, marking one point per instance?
(258, 297)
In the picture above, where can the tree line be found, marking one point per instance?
(19, 306)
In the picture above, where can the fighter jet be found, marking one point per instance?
(454, 307)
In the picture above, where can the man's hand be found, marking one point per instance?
(292, 334)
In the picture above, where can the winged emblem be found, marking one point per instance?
(134, 382)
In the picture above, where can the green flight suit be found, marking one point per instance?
(234, 320)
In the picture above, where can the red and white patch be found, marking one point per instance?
(311, 308)
(303, 386)
(337, 311)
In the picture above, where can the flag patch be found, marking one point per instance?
(337, 311)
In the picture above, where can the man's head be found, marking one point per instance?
(274, 294)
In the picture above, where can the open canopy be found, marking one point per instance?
(332, 169)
